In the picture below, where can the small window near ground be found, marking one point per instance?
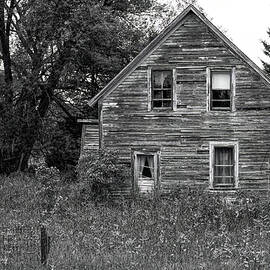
(146, 167)
(162, 88)
(145, 171)
(221, 90)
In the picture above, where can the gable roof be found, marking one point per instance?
(179, 20)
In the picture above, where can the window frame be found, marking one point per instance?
(212, 146)
(134, 159)
(151, 90)
(209, 73)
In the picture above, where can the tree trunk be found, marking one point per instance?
(5, 48)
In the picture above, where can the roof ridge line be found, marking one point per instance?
(161, 37)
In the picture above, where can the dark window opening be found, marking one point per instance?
(146, 172)
(162, 87)
(146, 166)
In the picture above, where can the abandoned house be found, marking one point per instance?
(190, 109)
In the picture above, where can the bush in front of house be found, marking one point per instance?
(98, 173)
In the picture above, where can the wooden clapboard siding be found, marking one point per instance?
(90, 137)
(183, 135)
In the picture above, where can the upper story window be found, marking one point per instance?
(162, 88)
(221, 90)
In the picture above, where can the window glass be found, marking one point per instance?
(220, 90)
(223, 166)
(221, 80)
(167, 94)
(162, 88)
(157, 79)
(220, 104)
(167, 79)
(146, 166)
(221, 94)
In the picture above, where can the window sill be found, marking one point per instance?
(161, 109)
(223, 189)
(220, 109)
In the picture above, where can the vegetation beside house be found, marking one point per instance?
(187, 230)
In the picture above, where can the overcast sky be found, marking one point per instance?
(245, 21)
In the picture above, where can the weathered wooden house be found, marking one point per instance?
(190, 109)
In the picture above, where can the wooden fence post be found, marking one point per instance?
(44, 245)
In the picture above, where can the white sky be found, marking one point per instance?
(245, 22)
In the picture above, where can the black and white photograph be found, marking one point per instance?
(134, 135)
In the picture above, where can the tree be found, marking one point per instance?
(57, 52)
(266, 51)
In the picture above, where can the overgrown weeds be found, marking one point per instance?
(192, 230)
(189, 229)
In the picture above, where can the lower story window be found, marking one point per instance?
(223, 165)
(145, 171)
(145, 167)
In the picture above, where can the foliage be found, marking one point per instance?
(98, 172)
(266, 46)
(186, 230)
(189, 231)
(20, 202)
(27, 197)
(64, 148)
(49, 179)
(58, 52)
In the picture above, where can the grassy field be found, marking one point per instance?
(187, 230)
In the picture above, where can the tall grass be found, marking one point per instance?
(191, 230)
(186, 230)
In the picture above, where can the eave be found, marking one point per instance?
(179, 20)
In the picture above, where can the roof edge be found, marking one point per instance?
(160, 38)
(235, 48)
(148, 49)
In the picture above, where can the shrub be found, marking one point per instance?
(98, 173)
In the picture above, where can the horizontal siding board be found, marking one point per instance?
(90, 140)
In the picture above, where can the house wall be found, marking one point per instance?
(183, 135)
(90, 137)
